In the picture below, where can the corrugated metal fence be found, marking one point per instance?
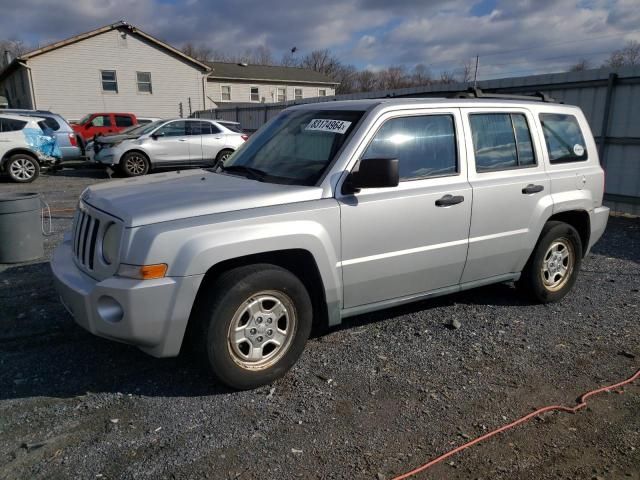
(609, 98)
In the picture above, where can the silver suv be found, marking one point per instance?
(329, 211)
(176, 143)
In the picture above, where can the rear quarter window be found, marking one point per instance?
(51, 123)
(563, 138)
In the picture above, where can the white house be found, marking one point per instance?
(233, 83)
(117, 68)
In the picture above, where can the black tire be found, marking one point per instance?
(537, 279)
(134, 164)
(223, 155)
(237, 291)
(22, 168)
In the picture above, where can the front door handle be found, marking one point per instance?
(531, 188)
(449, 200)
(182, 139)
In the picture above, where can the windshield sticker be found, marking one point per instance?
(327, 125)
(578, 150)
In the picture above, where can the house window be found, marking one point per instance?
(255, 94)
(322, 92)
(298, 94)
(109, 81)
(281, 94)
(226, 93)
(144, 82)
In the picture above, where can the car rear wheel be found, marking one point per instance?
(134, 164)
(553, 267)
(223, 155)
(23, 168)
(254, 326)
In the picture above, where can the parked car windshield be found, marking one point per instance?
(295, 148)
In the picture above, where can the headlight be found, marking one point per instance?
(110, 245)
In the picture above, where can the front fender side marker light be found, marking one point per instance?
(143, 272)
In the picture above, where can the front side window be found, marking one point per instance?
(425, 146)
(501, 141)
(173, 129)
(255, 94)
(123, 121)
(226, 93)
(101, 121)
(298, 93)
(296, 147)
(282, 94)
(563, 137)
(109, 81)
(144, 82)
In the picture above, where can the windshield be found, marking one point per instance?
(85, 119)
(295, 148)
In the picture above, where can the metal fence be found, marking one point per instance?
(610, 99)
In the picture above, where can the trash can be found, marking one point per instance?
(21, 237)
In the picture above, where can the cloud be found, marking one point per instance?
(510, 36)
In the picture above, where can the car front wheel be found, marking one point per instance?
(553, 267)
(254, 326)
(23, 168)
(134, 164)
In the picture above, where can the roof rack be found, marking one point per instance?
(474, 92)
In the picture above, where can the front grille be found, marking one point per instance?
(85, 236)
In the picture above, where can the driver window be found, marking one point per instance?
(425, 146)
(173, 129)
(101, 121)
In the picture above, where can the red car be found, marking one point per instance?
(94, 124)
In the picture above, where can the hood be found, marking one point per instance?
(115, 138)
(170, 196)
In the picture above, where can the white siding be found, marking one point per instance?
(17, 89)
(241, 92)
(67, 80)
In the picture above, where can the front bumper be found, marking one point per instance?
(151, 314)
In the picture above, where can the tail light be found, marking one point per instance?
(73, 140)
(244, 137)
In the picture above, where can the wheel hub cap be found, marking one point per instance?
(557, 265)
(262, 330)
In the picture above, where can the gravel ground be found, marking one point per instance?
(374, 398)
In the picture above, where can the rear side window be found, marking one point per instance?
(233, 127)
(123, 121)
(425, 146)
(501, 141)
(198, 128)
(51, 123)
(564, 139)
(10, 125)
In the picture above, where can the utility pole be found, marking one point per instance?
(475, 75)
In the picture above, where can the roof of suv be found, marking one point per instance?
(24, 118)
(430, 102)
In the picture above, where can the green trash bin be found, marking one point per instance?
(21, 237)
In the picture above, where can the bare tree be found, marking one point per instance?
(346, 75)
(580, 65)
(627, 56)
(420, 75)
(393, 77)
(365, 81)
(322, 61)
(289, 60)
(447, 77)
(14, 47)
(468, 70)
(260, 55)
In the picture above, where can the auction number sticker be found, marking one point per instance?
(327, 125)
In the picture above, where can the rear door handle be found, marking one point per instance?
(531, 188)
(449, 200)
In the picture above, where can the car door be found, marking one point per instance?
(195, 131)
(402, 241)
(168, 144)
(213, 142)
(511, 190)
(100, 124)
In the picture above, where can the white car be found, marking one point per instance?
(175, 143)
(26, 146)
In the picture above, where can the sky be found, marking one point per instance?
(511, 37)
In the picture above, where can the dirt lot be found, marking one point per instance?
(372, 399)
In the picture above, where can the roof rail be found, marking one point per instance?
(474, 92)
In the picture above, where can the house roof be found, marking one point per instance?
(121, 25)
(243, 71)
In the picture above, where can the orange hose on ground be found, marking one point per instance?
(582, 402)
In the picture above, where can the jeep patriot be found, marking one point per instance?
(332, 210)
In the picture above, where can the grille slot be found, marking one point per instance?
(85, 238)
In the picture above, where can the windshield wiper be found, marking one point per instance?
(250, 172)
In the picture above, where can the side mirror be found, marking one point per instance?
(373, 173)
(157, 135)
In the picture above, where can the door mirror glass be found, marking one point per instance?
(156, 135)
(373, 173)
